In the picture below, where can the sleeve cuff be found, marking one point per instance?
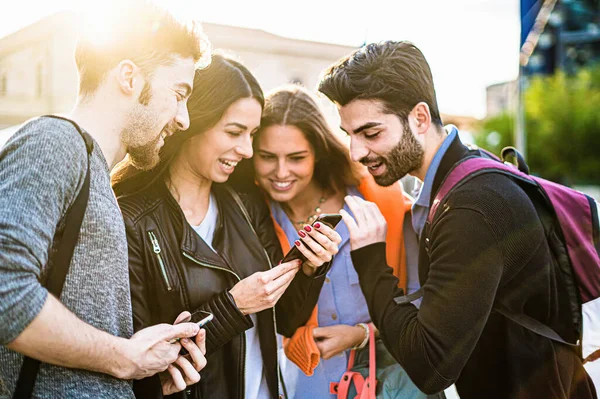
(369, 257)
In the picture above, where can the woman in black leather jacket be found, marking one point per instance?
(196, 244)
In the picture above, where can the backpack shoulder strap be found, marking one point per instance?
(467, 169)
(61, 262)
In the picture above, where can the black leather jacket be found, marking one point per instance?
(172, 270)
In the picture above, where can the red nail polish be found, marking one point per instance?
(317, 225)
(308, 228)
(297, 243)
(280, 261)
(301, 234)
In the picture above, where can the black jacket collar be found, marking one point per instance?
(456, 152)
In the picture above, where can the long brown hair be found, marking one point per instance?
(295, 106)
(215, 88)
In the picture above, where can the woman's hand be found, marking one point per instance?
(262, 290)
(336, 339)
(368, 225)
(323, 242)
(184, 371)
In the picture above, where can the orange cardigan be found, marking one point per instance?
(394, 204)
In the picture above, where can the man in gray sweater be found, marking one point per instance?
(133, 93)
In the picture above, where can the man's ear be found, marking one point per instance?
(128, 77)
(420, 117)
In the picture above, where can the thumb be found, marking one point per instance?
(183, 330)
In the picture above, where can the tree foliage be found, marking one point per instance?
(562, 123)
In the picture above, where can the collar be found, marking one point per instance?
(424, 198)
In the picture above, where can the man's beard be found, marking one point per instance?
(406, 157)
(143, 150)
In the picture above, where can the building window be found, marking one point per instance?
(39, 78)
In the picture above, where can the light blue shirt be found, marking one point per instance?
(420, 209)
(341, 301)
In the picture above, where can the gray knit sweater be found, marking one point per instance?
(42, 168)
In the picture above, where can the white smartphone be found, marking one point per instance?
(200, 317)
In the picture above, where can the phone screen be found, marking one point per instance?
(330, 219)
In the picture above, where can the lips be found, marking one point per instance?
(228, 165)
(281, 185)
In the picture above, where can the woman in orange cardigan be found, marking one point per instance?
(304, 170)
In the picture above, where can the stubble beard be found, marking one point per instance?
(406, 157)
(143, 150)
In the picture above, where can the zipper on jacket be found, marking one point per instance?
(249, 221)
(157, 252)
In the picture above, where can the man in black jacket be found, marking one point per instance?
(487, 247)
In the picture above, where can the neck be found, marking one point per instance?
(104, 119)
(190, 190)
(303, 205)
(433, 141)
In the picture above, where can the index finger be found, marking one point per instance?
(282, 269)
(201, 341)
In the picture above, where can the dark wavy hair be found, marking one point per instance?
(293, 105)
(395, 73)
(224, 82)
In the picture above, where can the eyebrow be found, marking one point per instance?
(289, 155)
(186, 87)
(366, 126)
(236, 124)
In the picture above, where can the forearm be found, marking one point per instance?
(228, 322)
(58, 337)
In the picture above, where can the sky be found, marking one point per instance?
(469, 44)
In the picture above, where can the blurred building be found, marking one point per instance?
(38, 74)
(501, 97)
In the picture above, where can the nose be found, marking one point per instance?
(182, 119)
(282, 171)
(245, 149)
(357, 150)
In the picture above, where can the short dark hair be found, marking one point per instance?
(216, 88)
(396, 73)
(142, 32)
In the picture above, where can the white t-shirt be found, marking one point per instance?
(256, 382)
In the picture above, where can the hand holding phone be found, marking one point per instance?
(316, 242)
(199, 317)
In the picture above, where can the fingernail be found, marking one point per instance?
(308, 228)
(301, 234)
(317, 225)
(297, 243)
(202, 333)
(185, 340)
(280, 262)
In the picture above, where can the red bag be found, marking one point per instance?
(365, 388)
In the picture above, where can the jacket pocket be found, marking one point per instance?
(158, 255)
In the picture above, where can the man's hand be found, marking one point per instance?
(185, 370)
(368, 225)
(149, 352)
(336, 339)
(262, 290)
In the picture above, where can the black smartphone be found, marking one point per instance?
(330, 219)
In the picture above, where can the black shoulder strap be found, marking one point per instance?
(61, 262)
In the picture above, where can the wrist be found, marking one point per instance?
(121, 364)
(364, 337)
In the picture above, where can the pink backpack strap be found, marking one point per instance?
(365, 388)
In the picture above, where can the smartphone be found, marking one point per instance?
(199, 317)
(330, 219)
